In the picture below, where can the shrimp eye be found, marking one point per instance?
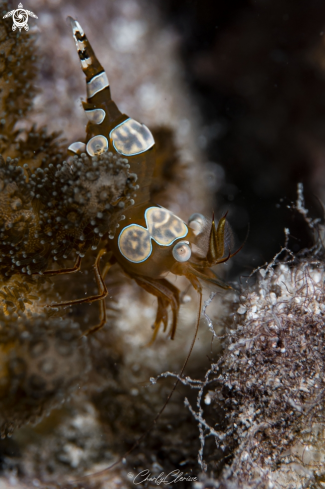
(197, 223)
(182, 251)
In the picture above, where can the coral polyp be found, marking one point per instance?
(49, 213)
(81, 221)
(52, 211)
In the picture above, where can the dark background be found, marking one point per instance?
(256, 70)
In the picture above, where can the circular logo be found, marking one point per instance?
(20, 18)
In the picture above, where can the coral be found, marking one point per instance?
(48, 213)
(17, 90)
(17, 76)
(262, 397)
(269, 383)
(53, 208)
(49, 207)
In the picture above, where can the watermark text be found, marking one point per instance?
(161, 479)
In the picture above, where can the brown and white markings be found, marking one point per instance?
(152, 240)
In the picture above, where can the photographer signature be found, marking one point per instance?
(171, 478)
